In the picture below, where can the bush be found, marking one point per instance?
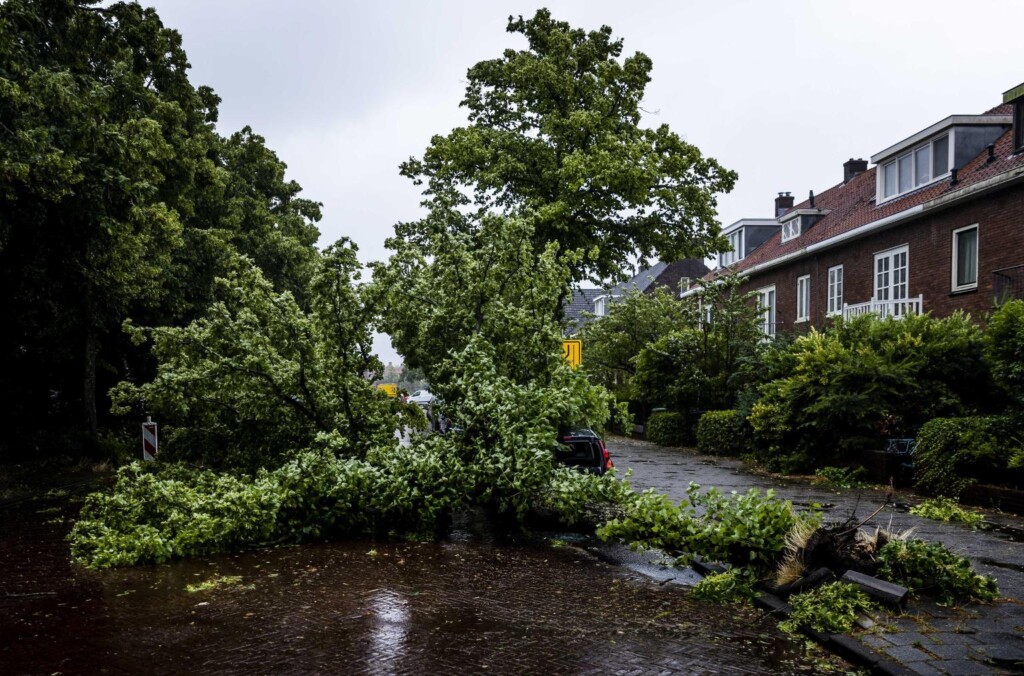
(930, 567)
(831, 608)
(954, 453)
(668, 429)
(847, 389)
(1004, 348)
(721, 433)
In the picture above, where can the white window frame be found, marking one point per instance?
(599, 306)
(835, 290)
(894, 162)
(891, 289)
(791, 229)
(736, 242)
(767, 301)
(977, 247)
(803, 298)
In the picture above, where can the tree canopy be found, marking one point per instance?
(555, 135)
(117, 199)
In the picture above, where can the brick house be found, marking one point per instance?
(935, 225)
(586, 304)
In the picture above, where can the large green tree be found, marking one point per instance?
(555, 135)
(117, 199)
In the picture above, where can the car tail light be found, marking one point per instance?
(608, 464)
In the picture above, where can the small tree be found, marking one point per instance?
(259, 377)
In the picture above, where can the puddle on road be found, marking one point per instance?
(362, 606)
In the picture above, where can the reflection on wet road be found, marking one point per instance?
(463, 606)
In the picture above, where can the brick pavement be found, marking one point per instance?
(927, 638)
(470, 605)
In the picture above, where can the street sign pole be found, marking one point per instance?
(150, 443)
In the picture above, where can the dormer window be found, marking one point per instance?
(916, 167)
(791, 228)
(736, 242)
(599, 307)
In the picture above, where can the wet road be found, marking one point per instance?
(469, 605)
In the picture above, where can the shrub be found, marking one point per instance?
(831, 608)
(721, 433)
(945, 509)
(930, 567)
(954, 453)
(668, 429)
(850, 387)
(1004, 348)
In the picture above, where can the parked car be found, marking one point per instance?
(421, 397)
(582, 449)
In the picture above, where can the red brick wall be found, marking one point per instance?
(1000, 219)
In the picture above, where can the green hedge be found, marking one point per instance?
(721, 433)
(954, 453)
(668, 429)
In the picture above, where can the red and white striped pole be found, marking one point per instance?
(149, 439)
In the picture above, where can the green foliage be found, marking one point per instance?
(735, 585)
(156, 513)
(954, 453)
(721, 433)
(668, 428)
(258, 376)
(696, 365)
(841, 477)
(746, 529)
(861, 381)
(946, 509)
(117, 199)
(614, 340)
(931, 568)
(555, 135)
(831, 608)
(574, 496)
(1004, 347)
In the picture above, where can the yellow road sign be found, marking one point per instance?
(572, 350)
(390, 389)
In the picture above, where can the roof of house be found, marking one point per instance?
(852, 204)
(581, 301)
(640, 281)
(661, 274)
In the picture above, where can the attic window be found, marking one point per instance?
(736, 242)
(1018, 124)
(915, 168)
(791, 229)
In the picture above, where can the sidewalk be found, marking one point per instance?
(927, 638)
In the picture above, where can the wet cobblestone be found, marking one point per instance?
(363, 607)
(951, 637)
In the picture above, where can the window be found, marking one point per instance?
(766, 302)
(911, 170)
(891, 274)
(736, 242)
(599, 306)
(791, 229)
(803, 298)
(1018, 124)
(965, 258)
(835, 290)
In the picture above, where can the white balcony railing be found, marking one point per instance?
(884, 308)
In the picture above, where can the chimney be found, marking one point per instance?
(853, 167)
(783, 203)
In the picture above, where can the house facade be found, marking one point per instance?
(936, 224)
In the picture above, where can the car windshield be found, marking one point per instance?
(578, 452)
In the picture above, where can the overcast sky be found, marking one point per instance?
(781, 92)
